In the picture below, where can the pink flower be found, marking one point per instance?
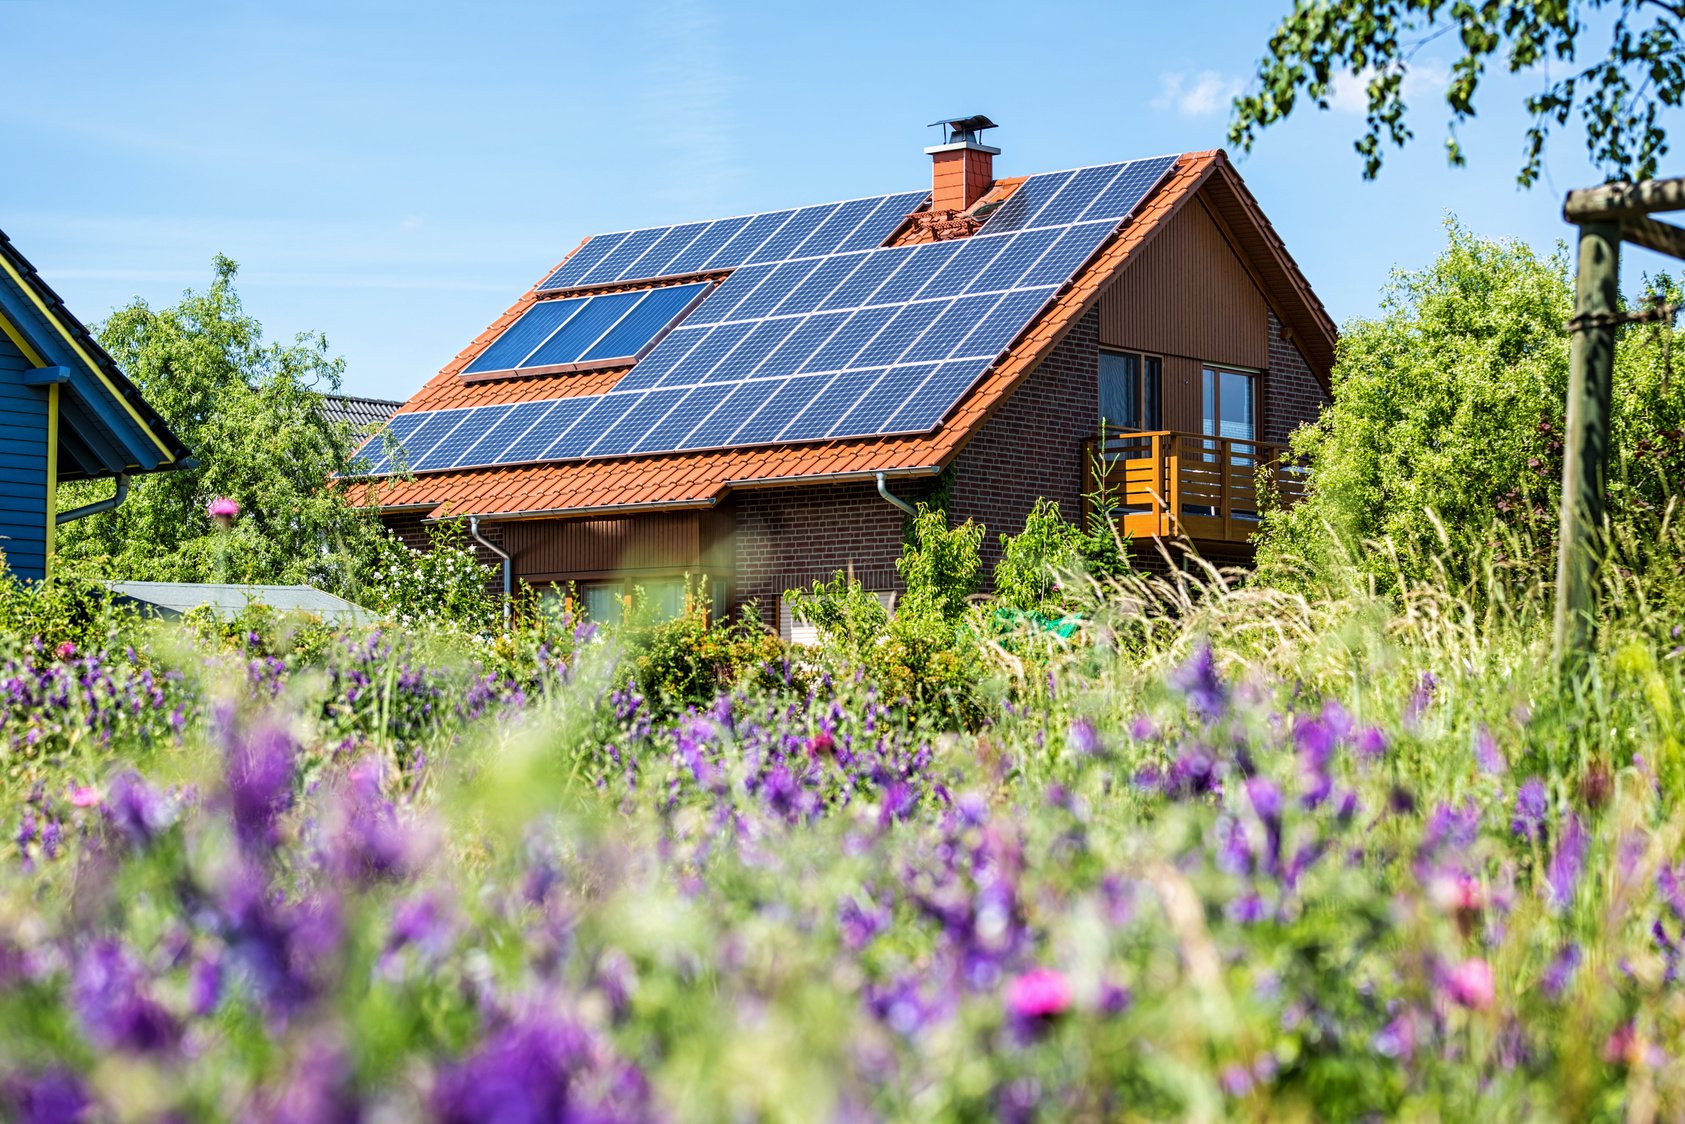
(1470, 984)
(1039, 993)
(66, 650)
(84, 797)
(222, 508)
(822, 744)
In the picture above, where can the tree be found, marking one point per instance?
(1447, 416)
(249, 411)
(1620, 97)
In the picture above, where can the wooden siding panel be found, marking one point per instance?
(23, 480)
(558, 549)
(1188, 295)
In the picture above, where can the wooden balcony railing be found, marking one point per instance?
(1165, 485)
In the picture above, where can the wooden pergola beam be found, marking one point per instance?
(1621, 201)
(1662, 237)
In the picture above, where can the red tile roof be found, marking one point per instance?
(702, 479)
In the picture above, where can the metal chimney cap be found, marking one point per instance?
(960, 129)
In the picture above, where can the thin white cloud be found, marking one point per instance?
(1197, 95)
(1349, 93)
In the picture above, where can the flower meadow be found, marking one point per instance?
(1259, 857)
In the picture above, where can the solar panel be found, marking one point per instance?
(826, 335)
(556, 333)
(453, 444)
(673, 251)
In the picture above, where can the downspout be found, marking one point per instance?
(883, 490)
(474, 533)
(117, 497)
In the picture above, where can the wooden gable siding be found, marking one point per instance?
(548, 550)
(1190, 299)
(23, 466)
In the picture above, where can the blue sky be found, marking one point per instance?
(395, 174)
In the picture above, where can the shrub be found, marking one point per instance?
(444, 584)
(689, 660)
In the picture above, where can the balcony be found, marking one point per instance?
(1164, 484)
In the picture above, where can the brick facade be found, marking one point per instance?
(1032, 447)
(788, 538)
(1292, 394)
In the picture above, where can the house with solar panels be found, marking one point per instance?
(66, 413)
(759, 398)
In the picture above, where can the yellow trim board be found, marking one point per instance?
(52, 477)
(12, 333)
(70, 339)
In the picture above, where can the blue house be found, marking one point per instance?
(66, 413)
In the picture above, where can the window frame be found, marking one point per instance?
(1211, 375)
(1149, 373)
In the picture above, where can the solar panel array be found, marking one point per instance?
(700, 247)
(585, 329)
(849, 343)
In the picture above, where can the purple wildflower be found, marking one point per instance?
(1371, 743)
(54, 1097)
(260, 782)
(1567, 863)
(1203, 687)
(138, 811)
(1560, 971)
(109, 991)
(1084, 738)
(1487, 754)
(1531, 803)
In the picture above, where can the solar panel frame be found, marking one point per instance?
(642, 323)
(633, 247)
(654, 262)
(729, 415)
(695, 256)
(698, 402)
(531, 445)
(826, 408)
(527, 334)
(601, 412)
(583, 259)
(506, 432)
(779, 408)
(582, 331)
(376, 447)
(1026, 201)
(446, 451)
(792, 234)
(890, 214)
(649, 409)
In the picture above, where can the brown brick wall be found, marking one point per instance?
(1292, 395)
(1032, 447)
(788, 538)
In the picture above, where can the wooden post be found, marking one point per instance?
(1173, 487)
(1586, 456)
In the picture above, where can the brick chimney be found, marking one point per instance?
(962, 166)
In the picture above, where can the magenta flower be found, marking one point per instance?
(84, 796)
(1039, 993)
(222, 508)
(66, 650)
(1470, 984)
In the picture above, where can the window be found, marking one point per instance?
(1131, 390)
(1229, 405)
